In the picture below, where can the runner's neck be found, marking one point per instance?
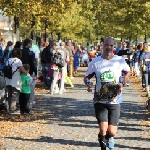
(107, 57)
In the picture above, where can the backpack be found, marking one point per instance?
(8, 70)
(57, 59)
(2, 80)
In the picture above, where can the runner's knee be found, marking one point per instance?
(103, 126)
(112, 130)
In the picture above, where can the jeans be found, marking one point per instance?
(145, 79)
(11, 98)
(48, 82)
(32, 86)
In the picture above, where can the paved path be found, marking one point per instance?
(69, 123)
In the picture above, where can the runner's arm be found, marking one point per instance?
(89, 74)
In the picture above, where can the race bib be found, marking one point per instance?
(107, 76)
(109, 87)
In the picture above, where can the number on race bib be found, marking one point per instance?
(107, 76)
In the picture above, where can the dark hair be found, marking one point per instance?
(51, 42)
(138, 47)
(6, 48)
(16, 52)
(9, 43)
(26, 43)
(54, 44)
(26, 67)
(18, 44)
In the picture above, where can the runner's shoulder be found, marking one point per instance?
(96, 59)
(119, 58)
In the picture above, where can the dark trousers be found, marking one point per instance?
(44, 72)
(11, 99)
(23, 101)
(48, 82)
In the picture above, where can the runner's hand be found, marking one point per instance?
(90, 87)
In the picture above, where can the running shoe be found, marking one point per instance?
(111, 143)
(76, 75)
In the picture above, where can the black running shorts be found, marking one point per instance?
(107, 113)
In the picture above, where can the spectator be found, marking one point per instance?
(1, 54)
(84, 58)
(18, 44)
(133, 62)
(25, 91)
(125, 52)
(8, 50)
(35, 49)
(76, 62)
(28, 57)
(137, 60)
(13, 85)
(55, 69)
(99, 51)
(92, 53)
(119, 47)
(64, 69)
(2, 43)
(145, 61)
(43, 62)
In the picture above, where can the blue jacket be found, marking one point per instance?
(1, 58)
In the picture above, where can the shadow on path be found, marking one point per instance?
(65, 142)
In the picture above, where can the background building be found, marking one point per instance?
(6, 30)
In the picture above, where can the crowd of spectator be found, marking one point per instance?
(55, 64)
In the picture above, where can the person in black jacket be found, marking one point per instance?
(28, 57)
(46, 60)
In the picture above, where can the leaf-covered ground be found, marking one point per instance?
(59, 122)
(137, 84)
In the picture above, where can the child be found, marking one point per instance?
(25, 92)
(54, 86)
(76, 62)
